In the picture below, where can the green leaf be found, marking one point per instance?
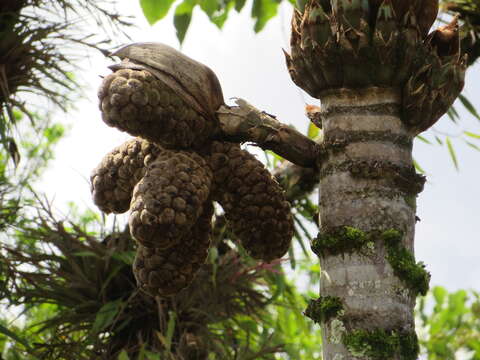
(13, 151)
(125, 256)
(472, 135)
(291, 257)
(439, 141)
(425, 140)
(451, 151)
(141, 355)
(263, 11)
(85, 254)
(12, 335)
(472, 145)
(239, 4)
(453, 114)
(418, 167)
(106, 314)
(457, 304)
(182, 18)
(155, 10)
(152, 356)
(219, 17)
(54, 133)
(209, 7)
(276, 158)
(123, 355)
(249, 326)
(17, 115)
(313, 131)
(469, 106)
(212, 255)
(170, 328)
(440, 294)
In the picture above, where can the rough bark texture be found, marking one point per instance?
(368, 151)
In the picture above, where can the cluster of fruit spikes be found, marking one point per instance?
(379, 43)
(169, 175)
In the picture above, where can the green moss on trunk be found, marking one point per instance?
(381, 344)
(324, 308)
(342, 240)
(403, 263)
(348, 240)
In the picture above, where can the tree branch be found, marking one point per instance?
(244, 123)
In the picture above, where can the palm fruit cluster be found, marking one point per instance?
(379, 43)
(169, 176)
(113, 180)
(134, 100)
(169, 198)
(165, 272)
(160, 89)
(253, 202)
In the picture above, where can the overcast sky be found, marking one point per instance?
(252, 66)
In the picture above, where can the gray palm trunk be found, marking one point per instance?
(381, 80)
(363, 132)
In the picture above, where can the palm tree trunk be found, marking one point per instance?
(368, 187)
(381, 80)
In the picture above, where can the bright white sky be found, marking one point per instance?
(252, 66)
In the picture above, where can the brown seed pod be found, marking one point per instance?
(166, 272)
(137, 102)
(169, 198)
(113, 180)
(253, 201)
